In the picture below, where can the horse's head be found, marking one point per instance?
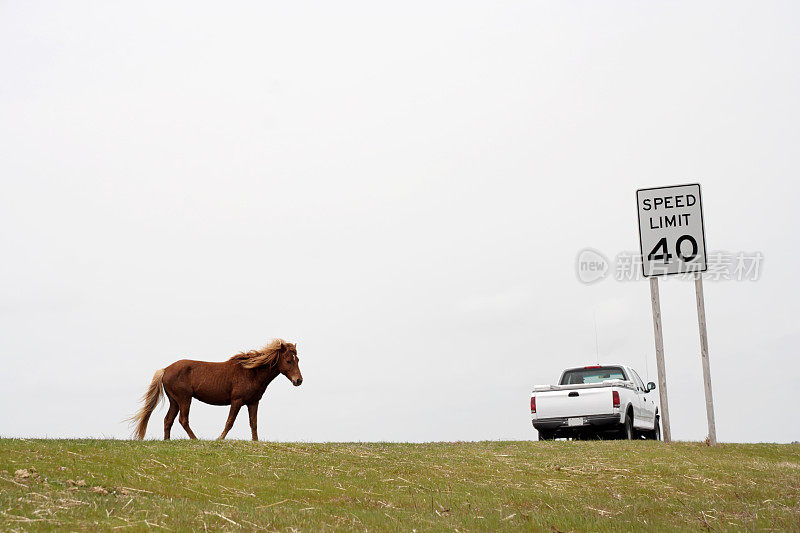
(289, 363)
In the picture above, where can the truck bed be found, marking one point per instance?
(607, 383)
(588, 399)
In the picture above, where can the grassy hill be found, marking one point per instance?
(552, 486)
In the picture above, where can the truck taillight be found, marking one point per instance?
(615, 398)
(533, 404)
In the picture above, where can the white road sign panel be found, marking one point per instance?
(671, 234)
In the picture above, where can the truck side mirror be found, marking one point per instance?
(651, 386)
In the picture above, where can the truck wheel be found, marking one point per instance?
(657, 429)
(545, 435)
(627, 428)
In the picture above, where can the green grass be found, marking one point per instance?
(552, 486)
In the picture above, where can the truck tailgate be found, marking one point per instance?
(577, 402)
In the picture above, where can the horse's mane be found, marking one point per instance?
(267, 355)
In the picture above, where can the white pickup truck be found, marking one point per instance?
(598, 401)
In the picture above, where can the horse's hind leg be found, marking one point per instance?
(170, 418)
(183, 418)
(252, 410)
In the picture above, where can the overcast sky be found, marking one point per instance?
(403, 191)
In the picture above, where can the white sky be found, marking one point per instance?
(402, 190)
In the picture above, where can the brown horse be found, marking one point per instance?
(241, 380)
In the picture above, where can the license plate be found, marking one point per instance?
(575, 421)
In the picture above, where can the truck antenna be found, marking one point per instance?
(596, 348)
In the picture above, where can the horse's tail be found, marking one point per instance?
(150, 400)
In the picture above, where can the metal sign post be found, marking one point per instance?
(662, 372)
(672, 241)
(701, 322)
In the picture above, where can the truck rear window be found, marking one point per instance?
(579, 376)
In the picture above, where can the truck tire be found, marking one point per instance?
(628, 433)
(657, 429)
(545, 435)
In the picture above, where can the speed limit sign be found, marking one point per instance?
(671, 235)
(672, 240)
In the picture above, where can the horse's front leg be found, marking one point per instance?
(235, 406)
(252, 410)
